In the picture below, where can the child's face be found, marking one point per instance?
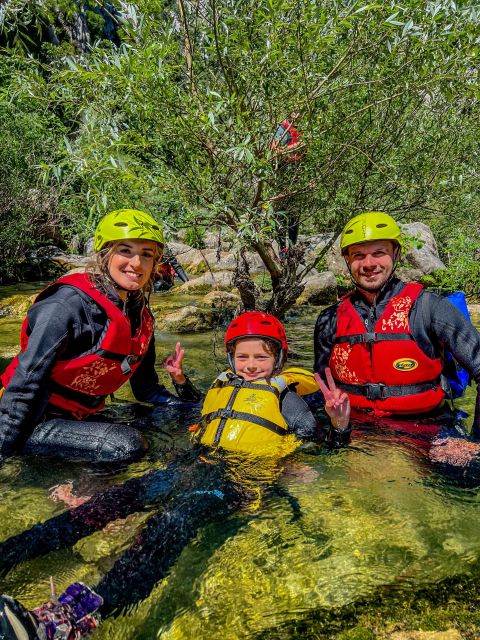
(252, 361)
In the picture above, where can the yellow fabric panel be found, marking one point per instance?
(305, 382)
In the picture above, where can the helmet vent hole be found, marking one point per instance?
(120, 224)
(265, 322)
(381, 225)
(349, 231)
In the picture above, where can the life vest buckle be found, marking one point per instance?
(127, 361)
(375, 392)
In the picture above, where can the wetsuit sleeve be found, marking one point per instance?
(324, 337)
(449, 327)
(452, 331)
(51, 325)
(304, 381)
(147, 388)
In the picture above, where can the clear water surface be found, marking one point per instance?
(377, 521)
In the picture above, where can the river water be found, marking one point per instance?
(384, 539)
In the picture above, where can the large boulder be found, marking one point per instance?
(197, 261)
(425, 259)
(221, 300)
(223, 305)
(188, 319)
(320, 289)
(221, 280)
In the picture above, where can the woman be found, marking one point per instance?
(85, 335)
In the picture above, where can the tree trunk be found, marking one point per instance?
(80, 32)
(249, 292)
(287, 287)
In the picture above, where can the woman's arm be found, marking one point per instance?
(22, 406)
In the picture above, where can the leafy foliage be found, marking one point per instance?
(179, 118)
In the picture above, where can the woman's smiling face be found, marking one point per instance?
(131, 264)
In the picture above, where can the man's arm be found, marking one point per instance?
(457, 334)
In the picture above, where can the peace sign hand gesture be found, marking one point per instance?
(173, 364)
(337, 404)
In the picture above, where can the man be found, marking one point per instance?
(385, 341)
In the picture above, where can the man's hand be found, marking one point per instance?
(337, 404)
(455, 451)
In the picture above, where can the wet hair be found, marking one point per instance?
(100, 274)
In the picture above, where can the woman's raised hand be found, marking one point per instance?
(173, 364)
(337, 404)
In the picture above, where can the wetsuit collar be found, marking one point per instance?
(391, 288)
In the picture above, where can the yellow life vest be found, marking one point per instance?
(245, 417)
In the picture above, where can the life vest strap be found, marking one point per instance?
(239, 383)
(372, 337)
(85, 399)
(228, 414)
(381, 391)
(126, 360)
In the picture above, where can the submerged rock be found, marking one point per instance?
(16, 305)
(450, 634)
(186, 320)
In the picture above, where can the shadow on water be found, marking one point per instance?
(352, 544)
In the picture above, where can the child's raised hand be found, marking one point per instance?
(173, 364)
(337, 404)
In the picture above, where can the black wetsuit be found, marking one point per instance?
(64, 325)
(436, 325)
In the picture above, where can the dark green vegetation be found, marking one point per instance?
(172, 106)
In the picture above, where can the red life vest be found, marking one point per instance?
(80, 385)
(385, 371)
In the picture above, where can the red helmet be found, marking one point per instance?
(257, 324)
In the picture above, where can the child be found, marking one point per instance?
(255, 406)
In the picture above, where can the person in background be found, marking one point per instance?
(287, 150)
(166, 271)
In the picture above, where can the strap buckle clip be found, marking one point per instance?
(375, 391)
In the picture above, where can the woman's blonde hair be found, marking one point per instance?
(100, 274)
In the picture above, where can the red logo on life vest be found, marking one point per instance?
(405, 364)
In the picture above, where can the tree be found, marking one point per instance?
(182, 116)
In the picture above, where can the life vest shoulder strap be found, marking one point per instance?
(229, 379)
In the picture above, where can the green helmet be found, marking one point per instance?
(127, 224)
(373, 225)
